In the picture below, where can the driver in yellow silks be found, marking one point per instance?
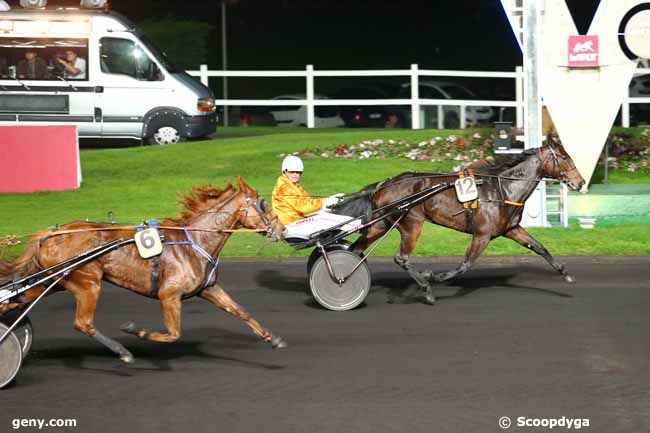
(296, 209)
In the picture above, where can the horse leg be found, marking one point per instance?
(171, 309)
(374, 232)
(409, 231)
(218, 297)
(85, 287)
(476, 247)
(522, 237)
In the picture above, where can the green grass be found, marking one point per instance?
(139, 183)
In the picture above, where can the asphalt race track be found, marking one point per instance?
(510, 338)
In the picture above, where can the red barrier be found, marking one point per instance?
(39, 158)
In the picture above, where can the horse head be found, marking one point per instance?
(557, 163)
(256, 214)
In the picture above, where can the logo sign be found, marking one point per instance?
(583, 51)
(148, 243)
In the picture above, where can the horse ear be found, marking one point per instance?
(243, 186)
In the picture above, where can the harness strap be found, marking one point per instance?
(201, 251)
(513, 203)
(155, 274)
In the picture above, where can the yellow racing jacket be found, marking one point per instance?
(291, 202)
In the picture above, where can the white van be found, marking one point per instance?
(128, 88)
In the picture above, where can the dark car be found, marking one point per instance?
(365, 115)
(250, 116)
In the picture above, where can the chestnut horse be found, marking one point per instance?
(505, 187)
(180, 272)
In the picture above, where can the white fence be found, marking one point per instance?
(415, 101)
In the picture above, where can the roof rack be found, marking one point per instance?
(42, 6)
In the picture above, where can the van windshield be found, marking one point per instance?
(160, 56)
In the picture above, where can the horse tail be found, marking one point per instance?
(25, 264)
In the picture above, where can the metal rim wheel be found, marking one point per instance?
(316, 254)
(24, 331)
(344, 296)
(10, 356)
(166, 135)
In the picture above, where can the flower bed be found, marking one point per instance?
(450, 148)
(626, 152)
(629, 153)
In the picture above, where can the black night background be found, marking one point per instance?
(334, 34)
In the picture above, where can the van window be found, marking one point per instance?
(159, 55)
(43, 59)
(123, 56)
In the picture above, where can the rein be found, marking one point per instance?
(133, 227)
(551, 154)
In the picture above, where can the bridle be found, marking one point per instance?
(564, 175)
(259, 206)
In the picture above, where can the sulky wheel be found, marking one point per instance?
(24, 331)
(343, 296)
(10, 356)
(316, 254)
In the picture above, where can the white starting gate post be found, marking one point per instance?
(535, 209)
(524, 17)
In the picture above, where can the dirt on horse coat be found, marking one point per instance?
(182, 272)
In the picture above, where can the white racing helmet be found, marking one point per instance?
(292, 163)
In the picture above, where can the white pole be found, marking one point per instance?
(224, 58)
(310, 96)
(519, 92)
(415, 96)
(532, 53)
(203, 71)
(535, 210)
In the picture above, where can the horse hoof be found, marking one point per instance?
(569, 278)
(429, 299)
(128, 327)
(278, 343)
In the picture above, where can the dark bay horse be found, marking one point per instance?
(180, 272)
(506, 186)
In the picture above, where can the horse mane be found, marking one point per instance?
(501, 163)
(199, 199)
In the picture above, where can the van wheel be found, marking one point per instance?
(165, 135)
